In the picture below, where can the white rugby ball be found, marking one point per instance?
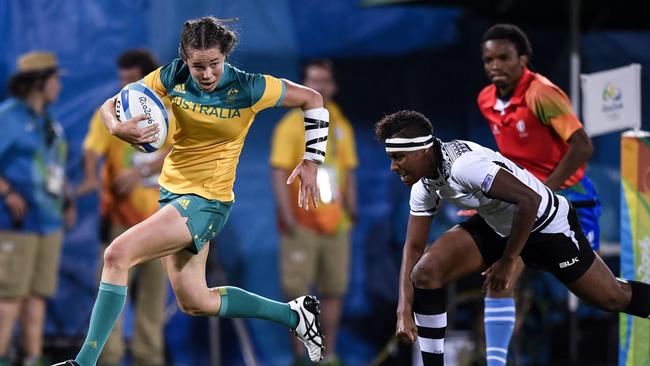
(136, 99)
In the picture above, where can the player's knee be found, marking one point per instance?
(424, 275)
(613, 303)
(115, 256)
(191, 306)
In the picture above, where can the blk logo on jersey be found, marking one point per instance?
(569, 263)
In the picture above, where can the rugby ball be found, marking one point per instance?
(136, 99)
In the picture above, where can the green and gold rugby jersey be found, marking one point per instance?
(210, 126)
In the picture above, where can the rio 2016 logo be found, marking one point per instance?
(146, 109)
(611, 93)
(612, 100)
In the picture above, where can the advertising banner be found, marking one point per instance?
(634, 332)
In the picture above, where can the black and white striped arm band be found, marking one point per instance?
(408, 144)
(316, 130)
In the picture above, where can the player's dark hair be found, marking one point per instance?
(403, 124)
(22, 84)
(323, 63)
(140, 58)
(204, 33)
(513, 34)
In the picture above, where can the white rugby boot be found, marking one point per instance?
(308, 328)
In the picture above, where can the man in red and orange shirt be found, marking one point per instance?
(534, 126)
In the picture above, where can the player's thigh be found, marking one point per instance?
(298, 261)
(333, 264)
(162, 234)
(451, 257)
(599, 287)
(204, 217)
(186, 272)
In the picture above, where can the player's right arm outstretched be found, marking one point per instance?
(316, 130)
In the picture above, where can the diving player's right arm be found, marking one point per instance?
(417, 233)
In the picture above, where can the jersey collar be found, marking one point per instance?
(518, 94)
(522, 86)
(444, 167)
(225, 77)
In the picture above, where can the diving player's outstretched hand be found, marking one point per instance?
(307, 171)
(405, 329)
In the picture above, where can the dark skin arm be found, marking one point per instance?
(580, 149)
(416, 238)
(506, 187)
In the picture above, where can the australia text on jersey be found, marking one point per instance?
(208, 110)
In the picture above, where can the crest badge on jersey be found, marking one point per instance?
(487, 182)
(232, 95)
(521, 127)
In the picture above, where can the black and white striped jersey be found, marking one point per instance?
(468, 170)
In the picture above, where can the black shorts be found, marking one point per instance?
(554, 253)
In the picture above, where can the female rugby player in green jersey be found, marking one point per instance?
(214, 105)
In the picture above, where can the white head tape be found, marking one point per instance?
(408, 144)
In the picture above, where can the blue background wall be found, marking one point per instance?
(388, 58)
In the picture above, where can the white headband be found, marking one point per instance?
(408, 144)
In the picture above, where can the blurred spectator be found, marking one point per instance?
(534, 125)
(129, 195)
(315, 244)
(35, 202)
